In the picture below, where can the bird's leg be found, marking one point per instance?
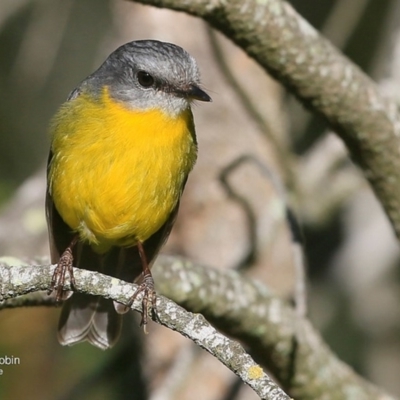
(64, 265)
(147, 287)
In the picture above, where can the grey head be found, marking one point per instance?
(148, 74)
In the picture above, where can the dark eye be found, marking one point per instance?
(145, 79)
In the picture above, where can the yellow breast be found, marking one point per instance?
(116, 175)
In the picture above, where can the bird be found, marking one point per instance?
(121, 149)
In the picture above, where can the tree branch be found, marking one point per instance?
(243, 308)
(275, 335)
(20, 280)
(291, 50)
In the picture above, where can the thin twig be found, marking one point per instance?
(300, 292)
(284, 158)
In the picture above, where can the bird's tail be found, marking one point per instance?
(89, 318)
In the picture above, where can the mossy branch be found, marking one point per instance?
(243, 308)
(21, 280)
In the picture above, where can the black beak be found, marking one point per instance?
(195, 93)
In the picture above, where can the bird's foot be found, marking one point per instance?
(149, 306)
(64, 266)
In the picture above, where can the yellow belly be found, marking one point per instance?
(116, 175)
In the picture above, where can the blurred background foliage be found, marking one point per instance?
(48, 46)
